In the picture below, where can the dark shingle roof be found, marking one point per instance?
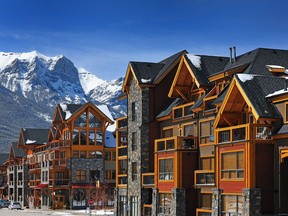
(283, 129)
(259, 58)
(35, 136)
(146, 72)
(257, 87)
(209, 66)
(198, 103)
(149, 72)
(69, 108)
(167, 111)
(19, 153)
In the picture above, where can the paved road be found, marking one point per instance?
(40, 212)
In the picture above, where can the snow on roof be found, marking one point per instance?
(195, 60)
(279, 92)
(245, 77)
(275, 66)
(65, 109)
(30, 141)
(145, 80)
(107, 112)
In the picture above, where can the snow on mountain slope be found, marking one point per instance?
(31, 84)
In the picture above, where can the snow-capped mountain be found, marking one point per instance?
(31, 84)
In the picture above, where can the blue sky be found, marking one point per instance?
(103, 36)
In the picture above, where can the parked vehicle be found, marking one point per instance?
(14, 205)
(6, 203)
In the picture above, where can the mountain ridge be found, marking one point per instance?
(31, 84)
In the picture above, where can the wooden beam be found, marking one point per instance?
(182, 95)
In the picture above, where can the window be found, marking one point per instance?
(232, 165)
(113, 156)
(165, 203)
(99, 138)
(75, 154)
(94, 175)
(108, 156)
(207, 163)
(134, 205)
(134, 141)
(206, 132)
(82, 154)
(232, 205)
(110, 174)
(93, 121)
(166, 169)
(80, 121)
(134, 171)
(80, 175)
(189, 130)
(134, 111)
(167, 132)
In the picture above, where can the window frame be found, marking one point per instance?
(165, 173)
(237, 169)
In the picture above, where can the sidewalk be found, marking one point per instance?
(70, 212)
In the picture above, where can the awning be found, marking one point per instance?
(40, 186)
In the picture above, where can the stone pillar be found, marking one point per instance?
(178, 207)
(216, 201)
(116, 201)
(155, 202)
(251, 201)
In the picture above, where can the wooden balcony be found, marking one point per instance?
(148, 180)
(147, 209)
(122, 122)
(122, 180)
(175, 143)
(204, 178)
(244, 132)
(122, 151)
(203, 212)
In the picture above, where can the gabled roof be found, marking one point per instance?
(34, 136)
(252, 90)
(150, 73)
(259, 58)
(256, 88)
(18, 153)
(256, 62)
(204, 66)
(69, 110)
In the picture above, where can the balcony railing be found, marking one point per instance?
(241, 133)
(59, 182)
(232, 134)
(122, 151)
(204, 178)
(122, 180)
(203, 212)
(148, 179)
(147, 209)
(175, 142)
(122, 122)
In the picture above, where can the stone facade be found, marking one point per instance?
(216, 201)
(86, 164)
(178, 207)
(252, 201)
(138, 154)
